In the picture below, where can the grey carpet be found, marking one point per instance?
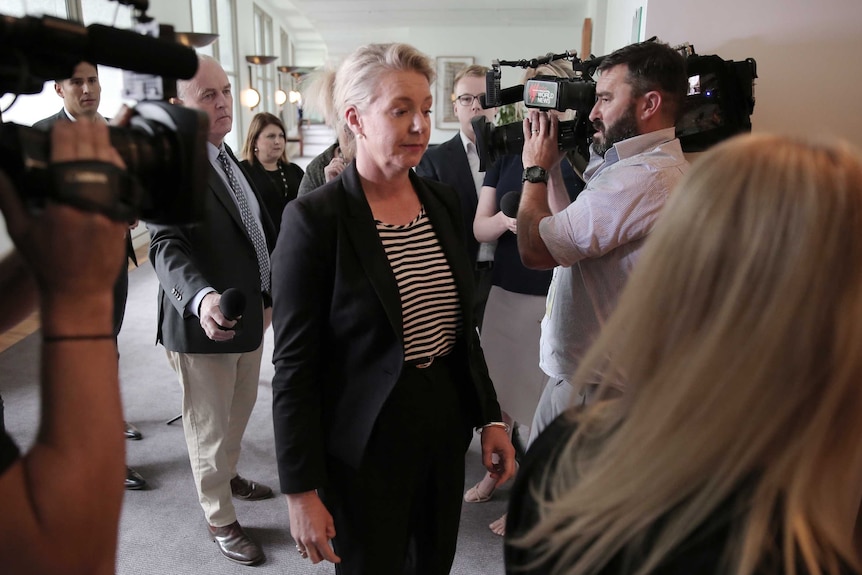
(162, 529)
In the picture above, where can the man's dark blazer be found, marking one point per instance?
(47, 123)
(448, 163)
(217, 252)
(339, 347)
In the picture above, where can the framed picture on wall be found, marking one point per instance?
(447, 68)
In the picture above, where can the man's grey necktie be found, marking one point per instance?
(250, 223)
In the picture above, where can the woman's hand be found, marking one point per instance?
(312, 527)
(510, 224)
(498, 454)
(333, 168)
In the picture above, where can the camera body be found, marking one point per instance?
(544, 93)
(164, 146)
(718, 105)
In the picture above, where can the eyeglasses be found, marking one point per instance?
(467, 99)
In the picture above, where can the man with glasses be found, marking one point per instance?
(456, 163)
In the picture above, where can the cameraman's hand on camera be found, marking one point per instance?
(541, 135)
(74, 255)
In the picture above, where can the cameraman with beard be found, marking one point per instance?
(53, 519)
(593, 242)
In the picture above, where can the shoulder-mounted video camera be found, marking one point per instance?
(164, 147)
(719, 103)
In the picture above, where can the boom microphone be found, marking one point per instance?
(49, 48)
(232, 303)
(140, 53)
(509, 203)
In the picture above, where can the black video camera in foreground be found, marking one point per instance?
(719, 103)
(164, 147)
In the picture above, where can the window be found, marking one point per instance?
(217, 16)
(265, 74)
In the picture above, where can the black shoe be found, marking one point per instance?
(132, 432)
(134, 480)
(249, 490)
(236, 545)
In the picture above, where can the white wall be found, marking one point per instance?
(808, 56)
(619, 19)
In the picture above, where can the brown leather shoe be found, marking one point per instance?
(249, 490)
(236, 545)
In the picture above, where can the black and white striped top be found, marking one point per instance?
(430, 309)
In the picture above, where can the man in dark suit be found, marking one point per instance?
(456, 162)
(81, 94)
(217, 360)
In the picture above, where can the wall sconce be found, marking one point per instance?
(297, 72)
(195, 39)
(280, 95)
(250, 97)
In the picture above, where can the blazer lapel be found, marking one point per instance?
(266, 219)
(460, 166)
(359, 223)
(223, 194)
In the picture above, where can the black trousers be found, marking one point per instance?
(398, 514)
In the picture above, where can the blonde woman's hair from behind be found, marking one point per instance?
(318, 96)
(358, 77)
(737, 342)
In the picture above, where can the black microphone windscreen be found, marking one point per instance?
(512, 95)
(130, 50)
(509, 203)
(232, 303)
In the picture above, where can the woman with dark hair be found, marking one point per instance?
(265, 155)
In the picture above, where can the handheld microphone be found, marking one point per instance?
(509, 203)
(232, 303)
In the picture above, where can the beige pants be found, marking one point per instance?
(219, 392)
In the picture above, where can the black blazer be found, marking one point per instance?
(448, 163)
(338, 332)
(214, 252)
(47, 123)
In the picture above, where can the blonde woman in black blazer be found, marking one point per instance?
(377, 390)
